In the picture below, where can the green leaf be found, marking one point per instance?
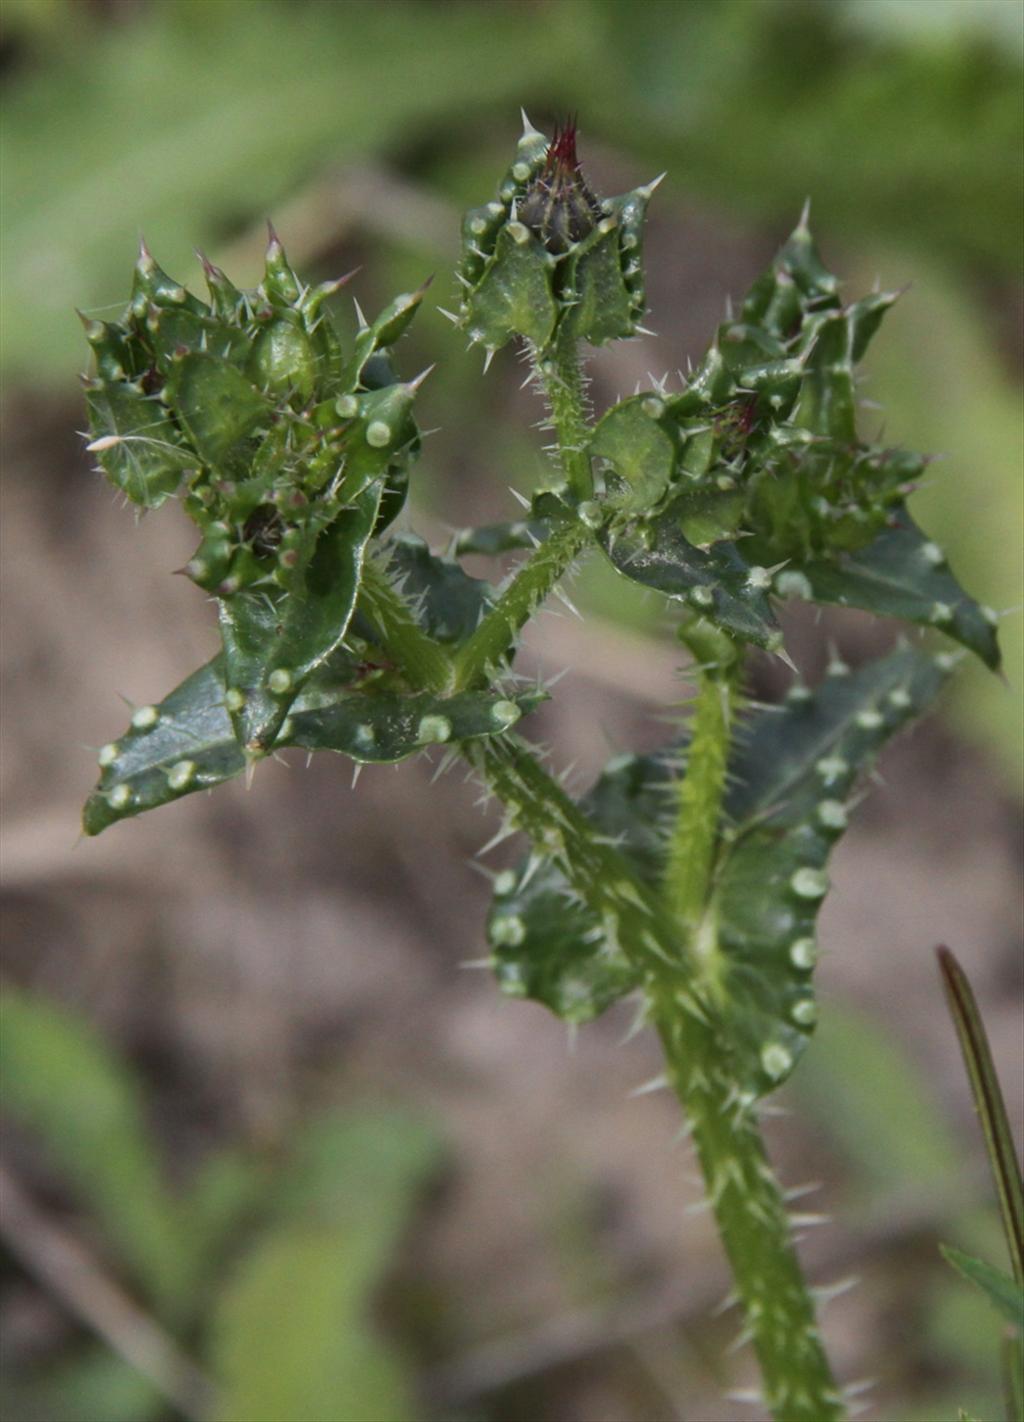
(384, 728)
(494, 538)
(514, 297)
(1012, 1359)
(272, 646)
(92, 1382)
(361, 1162)
(136, 442)
(903, 574)
(290, 1340)
(989, 1103)
(449, 602)
(1002, 1291)
(64, 1085)
(216, 404)
(640, 449)
(228, 1190)
(791, 775)
(187, 742)
(852, 1063)
(715, 582)
(344, 1198)
(546, 944)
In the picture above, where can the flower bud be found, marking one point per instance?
(549, 256)
(559, 206)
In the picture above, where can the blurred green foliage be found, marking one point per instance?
(272, 1264)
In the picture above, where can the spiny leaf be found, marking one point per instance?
(640, 450)
(602, 307)
(792, 776)
(188, 743)
(514, 296)
(385, 728)
(216, 404)
(903, 574)
(494, 538)
(137, 443)
(788, 755)
(548, 946)
(271, 646)
(450, 602)
(717, 582)
(379, 337)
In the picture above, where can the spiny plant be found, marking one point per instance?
(691, 878)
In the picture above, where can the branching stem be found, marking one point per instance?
(533, 581)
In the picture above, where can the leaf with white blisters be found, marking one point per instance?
(903, 574)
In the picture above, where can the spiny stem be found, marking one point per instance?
(742, 1187)
(693, 842)
(630, 912)
(691, 847)
(562, 379)
(752, 1221)
(559, 372)
(425, 662)
(490, 643)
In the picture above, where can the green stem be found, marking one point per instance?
(559, 371)
(694, 838)
(558, 828)
(490, 643)
(742, 1188)
(425, 662)
(751, 1215)
(562, 378)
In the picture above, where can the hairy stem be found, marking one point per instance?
(558, 828)
(691, 848)
(562, 378)
(778, 1308)
(490, 643)
(560, 375)
(741, 1185)
(425, 662)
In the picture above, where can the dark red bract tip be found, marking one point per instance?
(562, 148)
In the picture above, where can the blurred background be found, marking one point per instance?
(262, 1129)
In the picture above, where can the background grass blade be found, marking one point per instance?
(989, 1101)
